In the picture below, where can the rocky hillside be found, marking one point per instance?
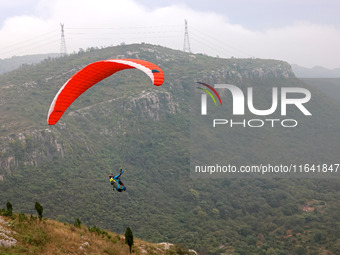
(26, 93)
(125, 122)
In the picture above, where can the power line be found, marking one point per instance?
(166, 35)
(214, 43)
(125, 28)
(29, 43)
(124, 33)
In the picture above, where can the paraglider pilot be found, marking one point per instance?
(116, 181)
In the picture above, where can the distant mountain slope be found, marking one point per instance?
(125, 122)
(10, 64)
(329, 86)
(315, 72)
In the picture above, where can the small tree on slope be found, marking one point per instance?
(39, 209)
(129, 237)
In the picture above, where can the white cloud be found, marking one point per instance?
(113, 22)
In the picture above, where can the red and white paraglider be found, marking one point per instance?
(92, 74)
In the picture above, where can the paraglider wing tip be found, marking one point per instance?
(51, 122)
(54, 116)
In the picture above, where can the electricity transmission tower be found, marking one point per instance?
(63, 50)
(186, 46)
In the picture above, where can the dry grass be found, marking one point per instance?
(49, 237)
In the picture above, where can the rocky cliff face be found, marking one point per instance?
(239, 71)
(151, 104)
(31, 147)
(28, 148)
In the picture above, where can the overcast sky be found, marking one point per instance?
(303, 32)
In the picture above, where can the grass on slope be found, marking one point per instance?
(52, 237)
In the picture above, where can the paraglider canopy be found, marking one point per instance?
(92, 74)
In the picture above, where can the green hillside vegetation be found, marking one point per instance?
(126, 122)
(30, 235)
